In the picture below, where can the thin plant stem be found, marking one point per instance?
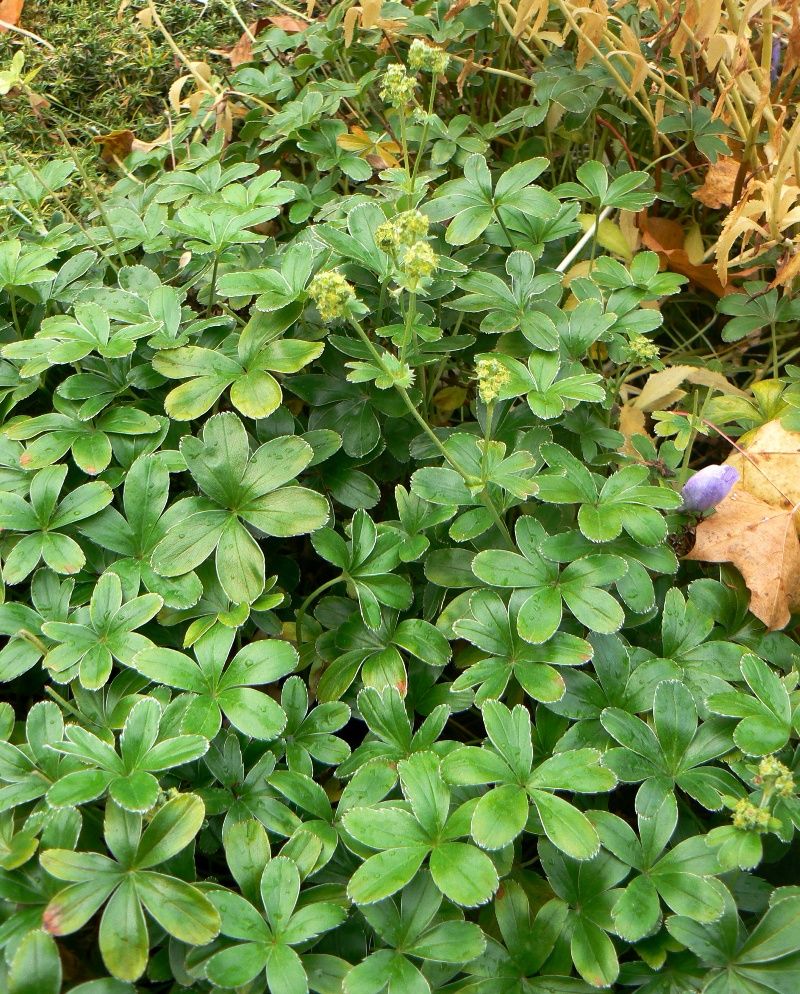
(486, 498)
(301, 611)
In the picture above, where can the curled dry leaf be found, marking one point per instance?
(593, 26)
(761, 541)
(530, 16)
(719, 184)
(787, 271)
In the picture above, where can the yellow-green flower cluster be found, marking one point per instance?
(398, 86)
(775, 777)
(331, 293)
(750, 817)
(418, 262)
(642, 350)
(422, 56)
(405, 229)
(492, 376)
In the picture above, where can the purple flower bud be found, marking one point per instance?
(708, 487)
(775, 62)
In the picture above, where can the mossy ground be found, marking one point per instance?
(108, 70)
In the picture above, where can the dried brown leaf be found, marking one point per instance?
(667, 239)
(718, 186)
(291, 25)
(632, 421)
(761, 541)
(457, 8)
(771, 470)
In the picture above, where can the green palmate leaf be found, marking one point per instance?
(127, 775)
(579, 586)
(44, 518)
(239, 490)
(87, 645)
(473, 204)
(247, 372)
(364, 663)
(212, 690)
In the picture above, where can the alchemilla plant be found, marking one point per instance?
(347, 643)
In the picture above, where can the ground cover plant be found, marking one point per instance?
(398, 494)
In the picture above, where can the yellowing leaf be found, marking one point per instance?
(449, 399)
(378, 152)
(662, 389)
(609, 235)
(693, 244)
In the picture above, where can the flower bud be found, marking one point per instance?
(774, 775)
(750, 817)
(492, 376)
(422, 56)
(708, 487)
(419, 262)
(398, 87)
(332, 294)
(641, 350)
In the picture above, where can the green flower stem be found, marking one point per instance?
(486, 498)
(424, 137)
(34, 640)
(212, 294)
(409, 333)
(65, 704)
(14, 316)
(301, 612)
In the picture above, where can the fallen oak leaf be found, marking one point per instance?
(761, 541)
(769, 465)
